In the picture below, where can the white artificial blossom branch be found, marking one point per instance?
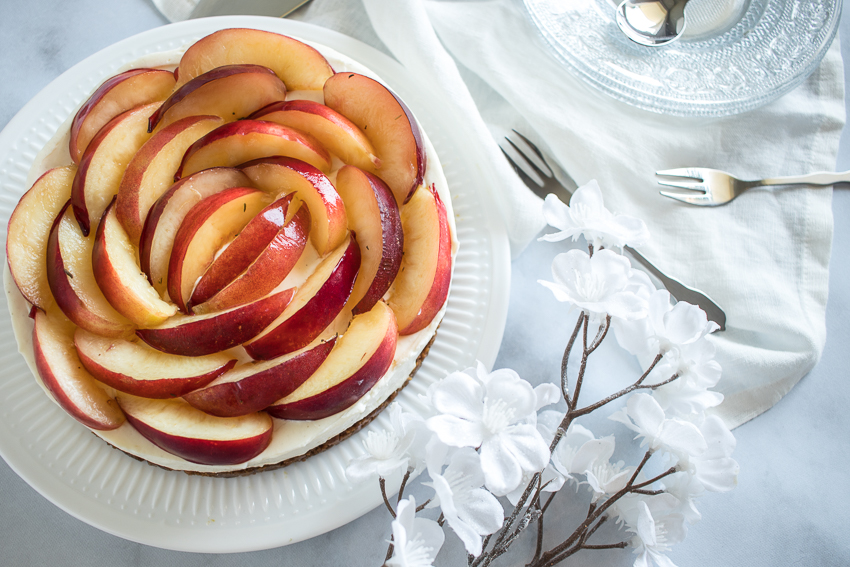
(484, 435)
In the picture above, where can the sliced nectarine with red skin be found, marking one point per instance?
(422, 285)
(252, 387)
(243, 251)
(231, 92)
(177, 428)
(70, 384)
(329, 225)
(151, 171)
(360, 358)
(229, 284)
(316, 304)
(199, 335)
(117, 273)
(238, 142)
(103, 164)
(389, 125)
(133, 367)
(29, 230)
(71, 279)
(374, 216)
(118, 94)
(167, 214)
(205, 229)
(335, 132)
(299, 66)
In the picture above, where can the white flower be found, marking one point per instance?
(416, 541)
(470, 510)
(391, 450)
(714, 468)
(666, 329)
(643, 415)
(655, 537)
(697, 371)
(579, 453)
(587, 215)
(605, 478)
(596, 284)
(627, 509)
(550, 479)
(566, 457)
(490, 411)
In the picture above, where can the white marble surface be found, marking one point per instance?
(791, 505)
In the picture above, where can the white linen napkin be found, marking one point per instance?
(764, 258)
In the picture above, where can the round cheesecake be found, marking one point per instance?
(175, 381)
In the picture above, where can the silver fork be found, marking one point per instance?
(551, 185)
(711, 187)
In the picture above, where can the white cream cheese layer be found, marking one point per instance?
(291, 438)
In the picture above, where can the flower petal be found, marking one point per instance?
(517, 394)
(546, 394)
(502, 472)
(455, 431)
(481, 511)
(591, 452)
(681, 437)
(458, 394)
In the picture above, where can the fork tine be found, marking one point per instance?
(703, 200)
(534, 149)
(688, 172)
(526, 178)
(686, 185)
(540, 172)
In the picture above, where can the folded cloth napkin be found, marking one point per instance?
(764, 258)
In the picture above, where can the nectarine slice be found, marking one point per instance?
(177, 428)
(252, 387)
(373, 215)
(388, 124)
(335, 132)
(329, 224)
(151, 171)
(238, 142)
(197, 335)
(297, 64)
(167, 214)
(73, 388)
(422, 284)
(103, 164)
(72, 282)
(360, 358)
(315, 305)
(205, 229)
(135, 368)
(29, 230)
(118, 94)
(118, 275)
(231, 92)
(254, 263)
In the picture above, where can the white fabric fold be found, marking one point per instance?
(764, 258)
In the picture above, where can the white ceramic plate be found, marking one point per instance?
(115, 493)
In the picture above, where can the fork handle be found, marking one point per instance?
(822, 179)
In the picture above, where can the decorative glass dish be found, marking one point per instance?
(769, 50)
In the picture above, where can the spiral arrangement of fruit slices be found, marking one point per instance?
(159, 262)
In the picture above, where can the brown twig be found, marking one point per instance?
(403, 484)
(389, 506)
(565, 390)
